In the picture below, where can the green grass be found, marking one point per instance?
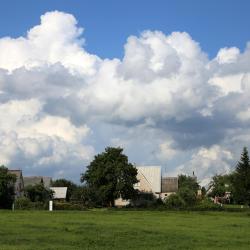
(104, 229)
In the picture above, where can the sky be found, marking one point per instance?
(168, 81)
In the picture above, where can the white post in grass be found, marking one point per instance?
(50, 205)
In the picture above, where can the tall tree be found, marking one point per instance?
(189, 182)
(7, 188)
(110, 176)
(241, 179)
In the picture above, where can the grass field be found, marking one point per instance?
(124, 230)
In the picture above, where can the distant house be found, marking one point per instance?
(59, 193)
(19, 185)
(150, 181)
(33, 180)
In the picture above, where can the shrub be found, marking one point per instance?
(144, 200)
(24, 203)
(207, 204)
(188, 195)
(67, 206)
(174, 201)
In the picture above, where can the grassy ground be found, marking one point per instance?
(123, 230)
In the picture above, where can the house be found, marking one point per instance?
(33, 180)
(59, 193)
(150, 181)
(19, 185)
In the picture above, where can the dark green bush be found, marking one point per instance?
(188, 196)
(174, 201)
(67, 206)
(144, 200)
(24, 203)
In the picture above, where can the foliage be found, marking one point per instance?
(241, 179)
(110, 176)
(220, 184)
(174, 201)
(145, 200)
(72, 187)
(206, 204)
(189, 182)
(67, 206)
(23, 203)
(38, 193)
(7, 188)
(187, 190)
(188, 196)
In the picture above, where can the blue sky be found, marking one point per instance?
(214, 24)
(168, 81)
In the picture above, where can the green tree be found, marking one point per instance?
(220, 184)
(110, 176)
(7, 188)
(241, 179)
(187, 189)
(38, 192)
(188, 195)
(189, 182)
(72, 187)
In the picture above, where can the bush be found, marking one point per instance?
(207, 204)
(188, 195)
(24, 203)
(174, 201)
(67, 206)
(144, 200)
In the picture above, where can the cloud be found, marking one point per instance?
(165, 101)
(207, 162)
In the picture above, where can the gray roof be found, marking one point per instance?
(33, 180)
(17, 173)
(169, 184)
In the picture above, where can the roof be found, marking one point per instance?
(16, 172)
(169, 184)
(153, 176)
(59, 192)
(33, 180)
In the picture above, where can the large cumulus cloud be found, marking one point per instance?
(165, 101)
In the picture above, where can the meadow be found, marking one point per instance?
(118, 229)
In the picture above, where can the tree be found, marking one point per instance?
(7, 188)
(220, 184)
(187, 189)
(188, 195)
(241, 179)
(65, 183)
(38, 192)
(110, 176)
(188, 182)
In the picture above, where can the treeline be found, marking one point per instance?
(110, 176)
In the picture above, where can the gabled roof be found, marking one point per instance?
(152, 174)
(59, 192)
(33, 180)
